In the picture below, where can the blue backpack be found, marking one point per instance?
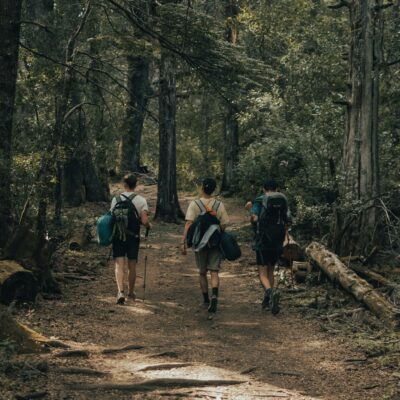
(105, 228)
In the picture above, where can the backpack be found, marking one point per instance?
(207, 217)
(104, 229)
(230, 248)
(126, 218)
(271, 224)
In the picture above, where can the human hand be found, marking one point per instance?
(248, 205)
(184, 248)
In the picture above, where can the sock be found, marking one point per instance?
(215, 291)
(206, 297)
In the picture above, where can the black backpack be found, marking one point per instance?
(230, 248)
(126, 218)
(200, 225)
(272, 221)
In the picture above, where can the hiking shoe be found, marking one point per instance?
(132, 296)
(213, 305)
(274, 302)
(266, 300)
(121, 298)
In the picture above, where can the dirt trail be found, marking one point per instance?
(281, 356)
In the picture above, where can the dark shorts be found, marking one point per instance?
(268, 256)
(129, 248)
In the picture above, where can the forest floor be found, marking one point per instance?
(297, 354)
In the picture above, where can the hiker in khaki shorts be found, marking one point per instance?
(208, 257)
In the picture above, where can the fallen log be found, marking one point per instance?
(354, 284)
(80, 238)
(374, 276)
(16, 283)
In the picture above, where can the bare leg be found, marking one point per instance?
(120, 272)
(203, 282)
(214, 279)
(270, 273)
(263, 272)
(131, 276)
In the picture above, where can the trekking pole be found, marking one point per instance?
(146, 235)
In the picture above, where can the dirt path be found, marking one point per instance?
(282, 356)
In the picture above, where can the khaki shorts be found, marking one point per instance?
(208, 259)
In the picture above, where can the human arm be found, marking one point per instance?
(184, 237)
(144, 219)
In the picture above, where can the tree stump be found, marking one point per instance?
(16, 283)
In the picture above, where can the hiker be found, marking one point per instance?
(269, 215)
(208, 217)
(130, 210)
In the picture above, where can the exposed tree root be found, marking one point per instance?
(31, 396)
(122, 349)
(82, 371)
(171, 354)
(158, 367)
(73, 353)
(154, 384)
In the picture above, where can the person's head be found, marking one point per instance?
(129, 181)
(270, 185)
(208, 186)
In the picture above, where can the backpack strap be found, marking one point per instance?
(216, 205)
(201, 206)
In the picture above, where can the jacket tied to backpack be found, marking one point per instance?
(205, 230)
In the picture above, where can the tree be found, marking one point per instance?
(168, 207)
(139, 90)
(356, 232)
(10, 23)
(231, 126)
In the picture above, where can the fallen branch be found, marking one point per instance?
(171, 354)
(343, 313)
(154, 384)
(350, 281)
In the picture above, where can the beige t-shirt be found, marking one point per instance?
(139, 202)
(194, 211)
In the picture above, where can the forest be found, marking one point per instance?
(303, 92)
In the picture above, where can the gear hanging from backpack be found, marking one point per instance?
(126, 218)
(272, 221)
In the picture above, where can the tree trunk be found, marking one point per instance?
(139, 87)
(168, 208)
(360, 152)
(231, 127)
(10, 22)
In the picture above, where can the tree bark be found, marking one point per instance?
(351, 282)
(231, 126)
(139, 88)
(361, 147)
(10, 22)
(168, 208)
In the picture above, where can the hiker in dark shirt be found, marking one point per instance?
(270, 216)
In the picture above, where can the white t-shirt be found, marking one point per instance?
(139, 202)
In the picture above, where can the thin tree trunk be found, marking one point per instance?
(361, 147)
(10, 22)
(168, 208)
(139, 87)
(231, 127)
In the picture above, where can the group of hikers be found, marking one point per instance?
(206, 221)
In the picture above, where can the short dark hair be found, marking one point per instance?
(208, 185)
(270, 184)
(130, 181)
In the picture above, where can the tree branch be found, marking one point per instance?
(34, 23)
(389, 64)
(342, 3)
